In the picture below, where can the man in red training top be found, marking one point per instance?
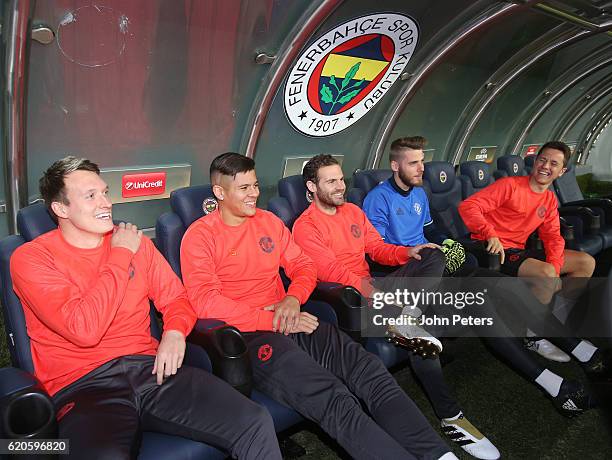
(85, 289)
(509, 210)
(230, 260)
(506, 212)
(338, 235)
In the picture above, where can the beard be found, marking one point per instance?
(328, 200)
(410, 181)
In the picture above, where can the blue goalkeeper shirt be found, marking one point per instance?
(399, 215)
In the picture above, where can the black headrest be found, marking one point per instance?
(513, 165)
(370, 178)
(529, 161)
(189, 202)
(477, 172)
(440, 175)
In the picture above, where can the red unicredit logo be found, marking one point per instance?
(143, 184)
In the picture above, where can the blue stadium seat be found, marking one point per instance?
(188, 205)
(510, 165)
(291, 200)
(17, 381)
(444, 190)
(364, 181)
(474, 176)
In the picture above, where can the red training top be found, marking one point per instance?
(510, 210)
(338, 244)
(231, 272)
(85, 307)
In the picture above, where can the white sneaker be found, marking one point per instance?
(416, 339)
(547, 350)
(459, 430)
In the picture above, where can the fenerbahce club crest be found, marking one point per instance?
(344, 73)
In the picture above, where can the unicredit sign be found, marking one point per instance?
(143, 184)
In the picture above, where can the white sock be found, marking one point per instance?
(550, 382)
(561, 308)
(448, 456)
(584, 351)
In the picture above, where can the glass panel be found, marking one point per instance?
(439, 103)
(496, 125)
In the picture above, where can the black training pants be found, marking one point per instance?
(104, 412)
(324, 375)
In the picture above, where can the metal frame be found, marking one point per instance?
(573, 75)
(591, 131)
(516, 66)
(427, 61)
(312, 18)
(582, 105)
(17, 21)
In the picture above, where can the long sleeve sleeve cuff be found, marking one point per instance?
(182, 320)
(299, 292)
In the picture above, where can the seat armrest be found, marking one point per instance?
(13, 379)
(592, 221)
(26, 409)
(605, 204)
(347, 302)
(227, 350)
(567, 232)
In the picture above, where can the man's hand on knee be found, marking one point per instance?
(286, 315)
(413, 251)
(170, 354)
(307, 323)
(494, 246)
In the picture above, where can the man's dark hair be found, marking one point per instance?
(51, 184)
(311, 169)
(558, 145)
(403, 143)
(230, 164)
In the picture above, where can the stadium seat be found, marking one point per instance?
(288, 206)
(529, 161)
(510, 165)
(569, 194)
(18, 382)
(291, 200)
(474, 176)
(188, 204)
(363, 182)
(444, 190)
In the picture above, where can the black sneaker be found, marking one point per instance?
(573, 399)
(599, 366)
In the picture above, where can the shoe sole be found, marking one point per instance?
(421, 347)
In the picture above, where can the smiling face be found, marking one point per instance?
(547, 167)
(329, 190)
(408, 170)
(87, 213)
(237, 196)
